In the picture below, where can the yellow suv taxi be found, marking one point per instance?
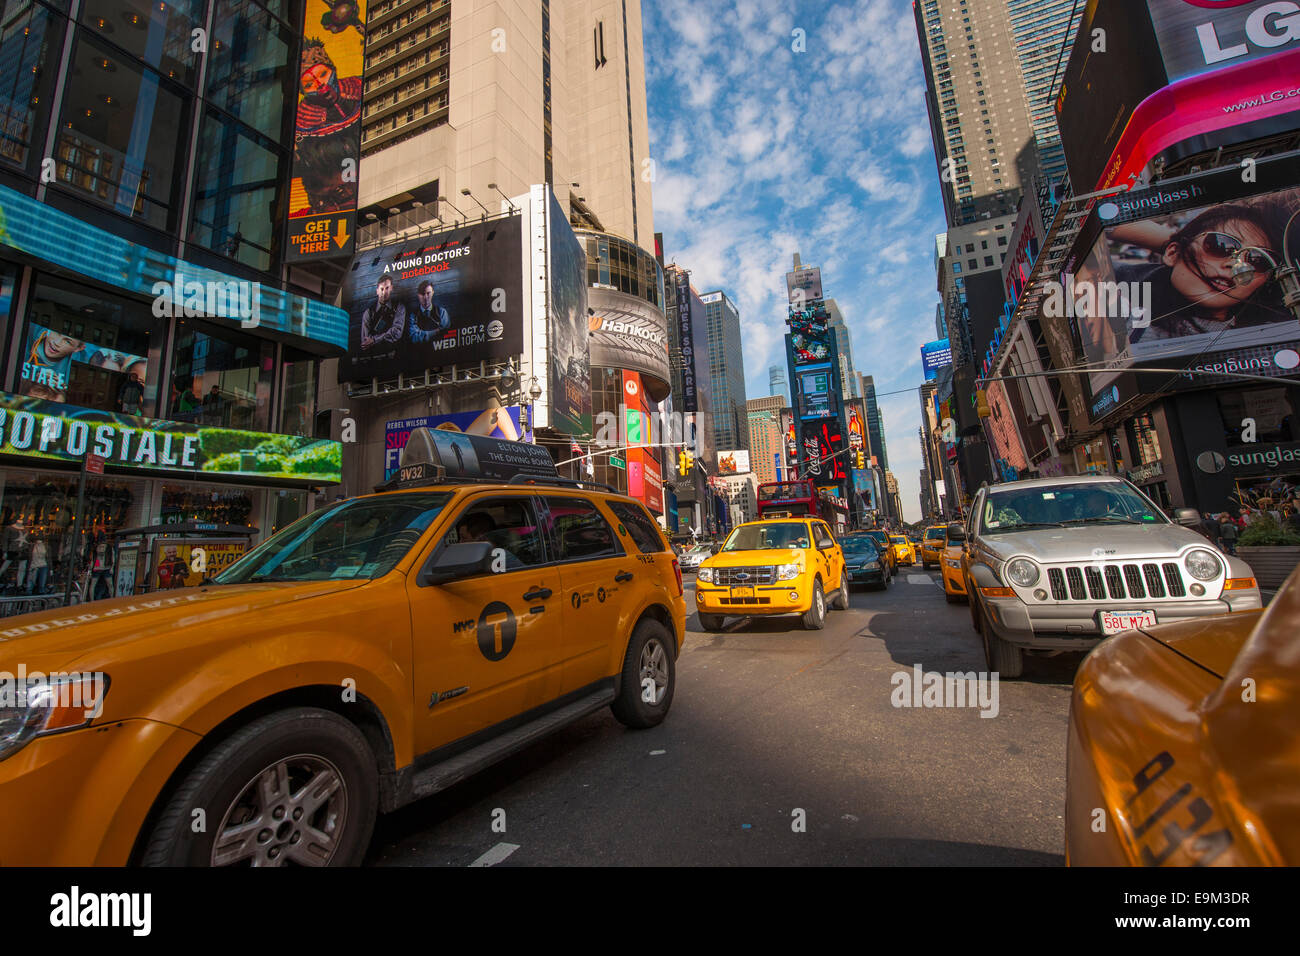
(370, 654)
(933, 545)
(904, 550)
(773, 566)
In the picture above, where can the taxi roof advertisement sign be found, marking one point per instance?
(327, 134)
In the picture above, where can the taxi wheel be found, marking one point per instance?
(711, 622)
(814, 618)
(649, 675)
(952, 598)
(841, 599)
(295, 788)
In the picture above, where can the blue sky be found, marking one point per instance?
(761, 151)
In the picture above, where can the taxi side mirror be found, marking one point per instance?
(457, 561)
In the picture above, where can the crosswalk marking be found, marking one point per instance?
(495, 855)
(919, 579)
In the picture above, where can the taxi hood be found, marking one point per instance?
(62, 634)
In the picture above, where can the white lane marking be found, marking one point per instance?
(495, 855)
(919, 579)
(656, 753)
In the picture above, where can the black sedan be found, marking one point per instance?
(863, 562)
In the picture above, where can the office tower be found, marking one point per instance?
(726, 378)
(549, 92)
(875, 423)
(988, 90)
(1043, 29)
(776, 382)
(766, 443)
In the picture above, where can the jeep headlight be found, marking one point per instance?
(788, 572)
(705, 575)
(1202, 565)
(1022, 573)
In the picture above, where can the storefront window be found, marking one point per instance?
(248, 68)
(286, 508)
(1143, 439)
(26, 42)
(220, 377)
(160, 34)
(238, 180)
(298, 399)
(210, 504)
(121, 135)
(38, 512)
(91, 349)
(1270, 409)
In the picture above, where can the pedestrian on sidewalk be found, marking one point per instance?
(1228, 534)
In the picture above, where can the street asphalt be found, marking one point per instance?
(783, 747)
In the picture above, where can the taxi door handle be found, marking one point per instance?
(623, 576)
(538, 594)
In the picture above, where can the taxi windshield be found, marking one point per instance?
(898, 539)
(858, 543)
(759, 537)
(1067, 506)
(360, 538)
(936, 534)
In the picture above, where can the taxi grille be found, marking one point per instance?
(1116, 582)
(730, 577)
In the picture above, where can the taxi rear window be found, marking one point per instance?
(639, 525)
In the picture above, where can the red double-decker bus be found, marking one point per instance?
(789, 498)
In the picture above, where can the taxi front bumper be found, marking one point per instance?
(784, 597)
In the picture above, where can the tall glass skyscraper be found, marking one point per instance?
(1043, 28)
(726, 381)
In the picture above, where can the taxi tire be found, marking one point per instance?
(219, 778)
(814, 619)
(711, 622)
(841, 599)
(628, 707)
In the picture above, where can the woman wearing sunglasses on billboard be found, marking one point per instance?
(1192, 288)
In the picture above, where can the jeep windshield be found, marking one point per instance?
(1066, 506)
(360, 538)
(760, 537)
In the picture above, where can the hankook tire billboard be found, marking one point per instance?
(629, 334)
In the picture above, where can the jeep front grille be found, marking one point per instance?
(728, 576)
(1116, 582)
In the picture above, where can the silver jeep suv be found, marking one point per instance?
(1060, 563)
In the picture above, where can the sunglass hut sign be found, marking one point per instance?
(1196, 35)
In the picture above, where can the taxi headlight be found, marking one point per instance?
(788, 572)
(952, 562)
(705, 575)
(1022, 573)
(1202, 565)
(36, 707)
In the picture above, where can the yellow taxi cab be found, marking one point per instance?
(773, 566)
(950, 566)
(933, 543)
(1184, 743)
(886, 549)
(904, 550)
(372, 653)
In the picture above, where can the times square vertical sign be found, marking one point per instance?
(686, 330)
(327, 133)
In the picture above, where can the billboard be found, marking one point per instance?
(327, 133)
(173, 560)
(816, 392)
(1197, 36)
(34, 428)
(1160, 290)
(491, 423)
(811, 345)
(823, 443)
(48, 358)
(855, 415)
(627, 336)
(934, 356)
(568, 357)
(804, 285)
(686, 335)
(790, 439)
(734, 462)
(448, 299)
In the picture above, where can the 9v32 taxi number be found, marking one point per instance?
(1112, 622)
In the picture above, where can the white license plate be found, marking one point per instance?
(1112, 622)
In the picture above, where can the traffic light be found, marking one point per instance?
(862, 461)
(982, 403)
(685, 461)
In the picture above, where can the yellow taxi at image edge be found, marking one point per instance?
(773, 566)
(370, 654)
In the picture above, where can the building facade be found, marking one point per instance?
(726, 380)
(153, 330)
(766, 443)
